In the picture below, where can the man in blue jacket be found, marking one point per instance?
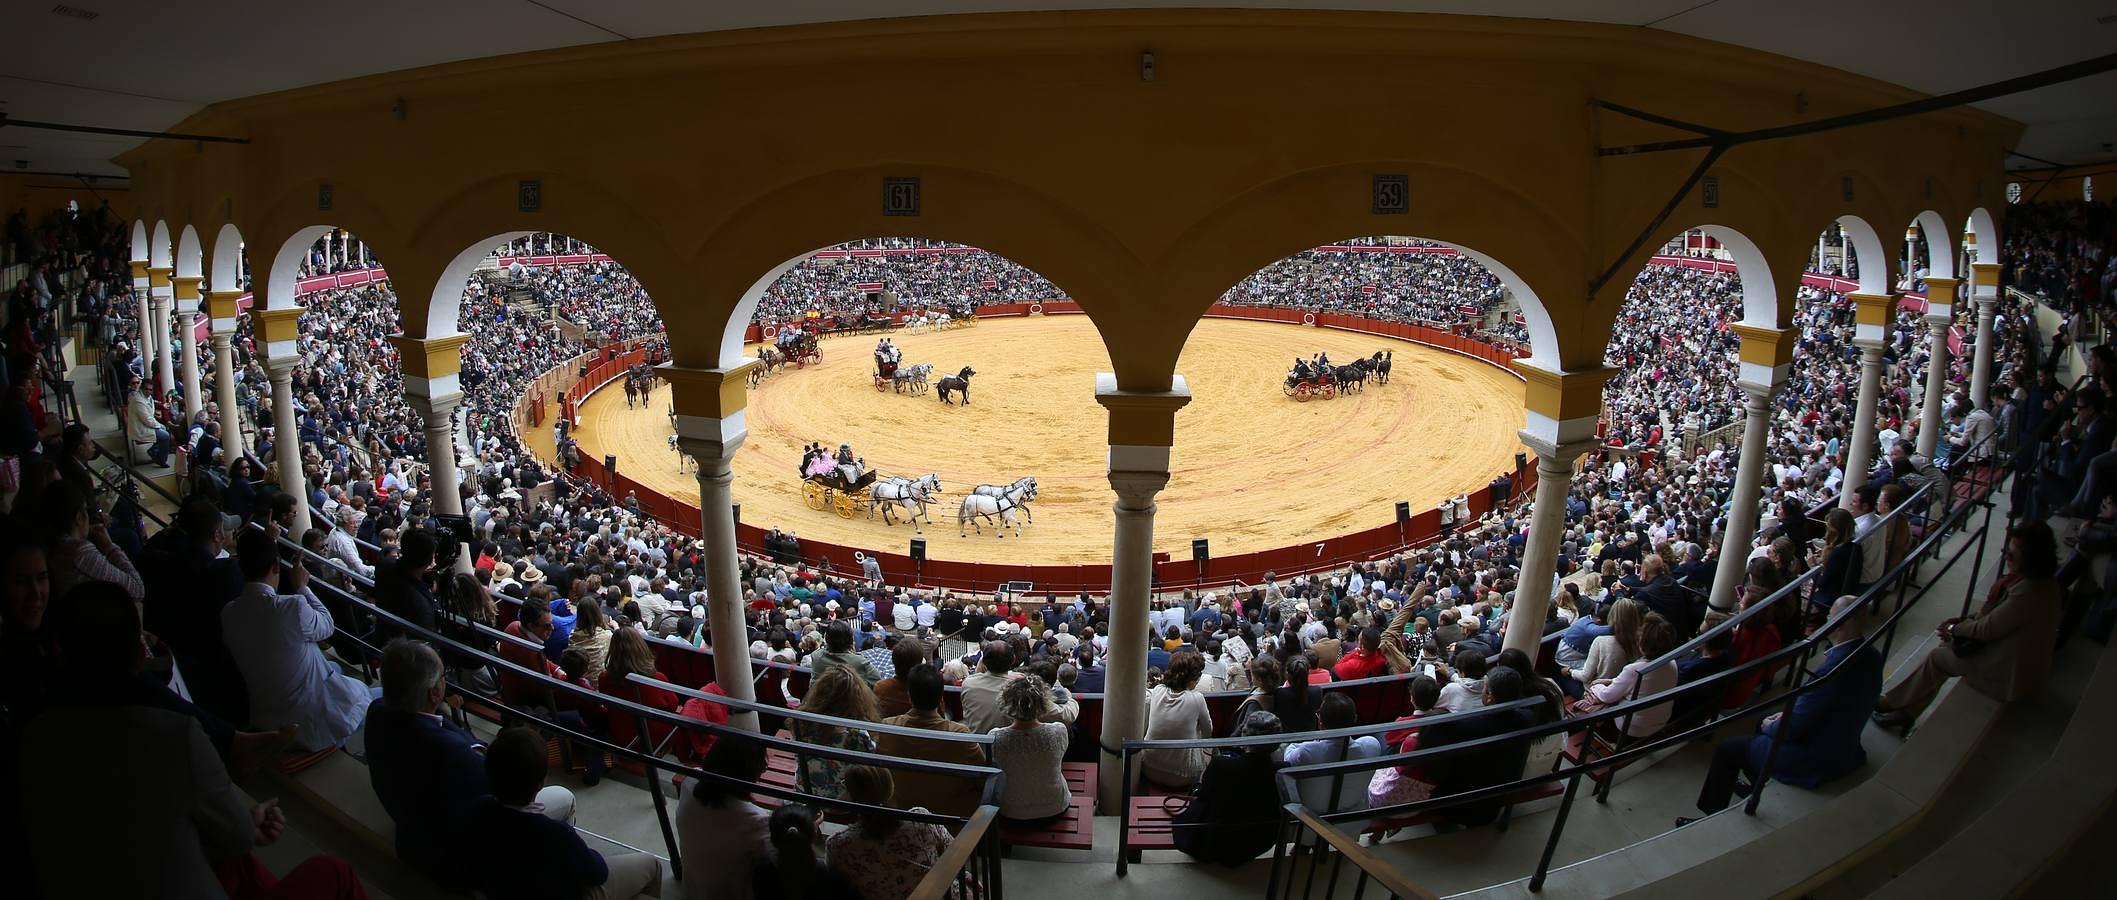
(1821, 732)
(513, 851)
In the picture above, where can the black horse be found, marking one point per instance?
(1379, 363)
(957, 382)
(1351, 377)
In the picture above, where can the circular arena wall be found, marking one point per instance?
(1448, 393)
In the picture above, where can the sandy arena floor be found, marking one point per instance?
(1253, 470)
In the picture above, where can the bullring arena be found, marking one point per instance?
(1256, 469)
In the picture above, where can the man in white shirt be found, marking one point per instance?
(339, 546)
(274, 639)
(926, 612)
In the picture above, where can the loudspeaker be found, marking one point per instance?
(1521, 461)
(918, 549)
(610, 462)
(1403, 511)
(1198, 551)
(737, 509)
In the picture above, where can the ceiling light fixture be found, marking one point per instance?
(75, 12)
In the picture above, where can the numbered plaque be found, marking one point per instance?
(1392, 195)
(529, 196)
(900, 196)
(1709, 192)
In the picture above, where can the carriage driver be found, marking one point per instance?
(788, 334)
(849, 466)
(1300, 371)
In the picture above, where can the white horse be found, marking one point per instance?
(912, 496)
(1024, 489)
(986, 506)
(916, 324)
(910, 376)
(942, 322)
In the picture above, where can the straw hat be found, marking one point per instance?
(501, 571)
(532, 575)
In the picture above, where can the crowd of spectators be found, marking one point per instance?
(1437, 287)
(100, 614)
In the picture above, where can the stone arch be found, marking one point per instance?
(1308, 209)
(1940, 263)
(750, 248)
(139, 240)
(1760, 292)
(226, 260)
(448, 243)
(1986, 228)
(190, 256)
(159, 246)
(1867, 248)
(285, 267)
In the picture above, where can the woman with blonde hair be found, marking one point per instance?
(1029, 751)
(835, 691)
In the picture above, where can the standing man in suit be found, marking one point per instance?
(1821, 739)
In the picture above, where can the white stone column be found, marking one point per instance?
(1984, 291)
(1142, 429)
(1742, 511)
(160, 295)
(437, 413)
(1131, 582)
(1940, 305)
(141, 291)
(726, 615)
(286, 440)
(220, 307)
(1859, 456)
(186, 343)
(1547, 529)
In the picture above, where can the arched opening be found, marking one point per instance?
(161, 248)
(228, 270)
(1866, 262)
(139, 240)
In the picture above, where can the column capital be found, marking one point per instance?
(1767, 356)
(435, 409)
(139, 269)
(278, 326)
(186, 286)
(1563, 406)
(1940, 296)
(158, 276)
(280, 368)
(1136, 489)
(1871, 316)
(1555, 457)
(715, 456)
(1145, 419)
(222, 307)
(718, 394)
(1984, 275)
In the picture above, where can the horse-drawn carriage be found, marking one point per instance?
(833, 491)
(803, 350)
(1301, 387)
(890, 375)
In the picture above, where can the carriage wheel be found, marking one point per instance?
(881, 384)
(1287, 388)
(844, 506)
(1302, 393)
(814, 494)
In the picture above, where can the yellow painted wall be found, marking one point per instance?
(701, 162)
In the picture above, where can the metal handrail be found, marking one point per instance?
(1370, 864)
(1883, 633)
(941, 876)
(813, 718)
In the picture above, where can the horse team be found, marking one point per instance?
(996, 504)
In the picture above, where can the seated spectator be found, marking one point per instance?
(1366, 662)
(1463, 688)
(838, 651)
(1296, 702)
(1176, 711)
(981, 689)
(2005, 649)
(401, 587)
(1409, 783)
(592, 630)
(1610, 653)
(1266, 676)
(891, 696)
(273, 628)
(1711, 658)
(1338, 712)
(793, 872)
(1029, 751)
(1234, 815)
(630, 655)
(1466, 772)
(943, 794)
(885, 856)
(1640, 678)
(187, 831)
(515, 850)
(720, 832)
(834, 691)
(81, 547)
(1822, 728)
